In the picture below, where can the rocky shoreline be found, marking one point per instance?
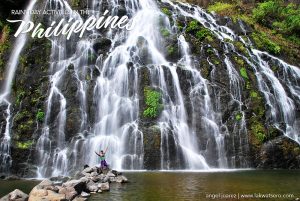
(79, 188)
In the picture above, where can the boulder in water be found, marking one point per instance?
(16, 195)
(70, 192)
(104, 186)
(92, 186)
(121, 179)
(85, 194)
(78, 185)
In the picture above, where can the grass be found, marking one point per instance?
(219, 7)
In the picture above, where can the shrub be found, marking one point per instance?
(153, 103)
(244, 74)
(193, 26)
(266, 11)
(166, 11)
(40, 116)
(165, 32)
(219, 6)
(202, 34)
(263, 42)
(24, 145)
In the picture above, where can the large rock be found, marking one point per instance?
(281, 153)
(78, 185)
(45, 195)
(104, 186)
(121, 179)
(92, 186)
(16, 195)
(69, 192)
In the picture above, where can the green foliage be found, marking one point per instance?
(258, 131)
(165, 32)
(4, 44)
(238, 116)
(263, 42)
(153, 103)
(243, 72)
(193, 26)
(240, 46)
(76, 3)
(171, 50)
(219, 6)
(239, 61)
(40, 116)
(202, 34)
(275, 14)
(166, 11)
(20, 96)
(24, 145)
(21, 116)
(266, 10)
(253, 94)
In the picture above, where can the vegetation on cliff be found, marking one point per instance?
(276, 24)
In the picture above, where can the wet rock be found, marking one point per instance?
(85, 195)
(16, 195)
(69, 192)
(80, 199)
(87, 170)
(92, 186)
(121, 179)
(104, 186)
(280, 152)
(102, 45)
(12, 177)
(49, 195)
(78, 185)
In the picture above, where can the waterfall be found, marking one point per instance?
(11, 67)
(115, 97)
(96, 92)
(280, 106)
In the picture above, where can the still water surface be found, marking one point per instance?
(191, 186)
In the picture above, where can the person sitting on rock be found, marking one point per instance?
(101, 154)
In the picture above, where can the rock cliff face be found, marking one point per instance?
(206, 103)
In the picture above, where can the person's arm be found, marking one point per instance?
(106, 150)
(97, 153)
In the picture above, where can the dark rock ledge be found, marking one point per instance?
(90, 180)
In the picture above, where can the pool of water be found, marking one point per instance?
(190, 186)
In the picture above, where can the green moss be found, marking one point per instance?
(75, 3)
(171, 50)
(165, 32)
(243, 72)
(20, 96)
(203, 33)
(253, 94)
(241, 48)
(263, 42)
(219, 6)
(24, 145)
(239, 61)
(166, 11)
(210, 51)
(153, 103)
(193, 26)
(21, 116)
(238, 116)
(4, 45)
(40, 116)
(259, 131)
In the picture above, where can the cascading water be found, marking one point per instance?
(11, 67)
(95, 92)
(115, 96)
